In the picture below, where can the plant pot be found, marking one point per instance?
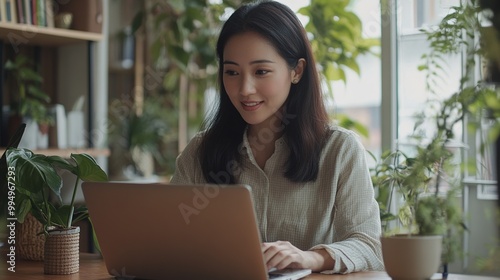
(411, 257)
(62, 251)
(30, 243)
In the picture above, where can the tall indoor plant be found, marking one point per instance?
(28, 102)
(430, 220)
(38, 183)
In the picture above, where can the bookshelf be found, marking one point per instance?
(13, 34)
(45, 36)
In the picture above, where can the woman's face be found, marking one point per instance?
(256, 78)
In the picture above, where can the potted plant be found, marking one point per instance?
(430, 220)
(136, 139)
(28, 102)
(38, 191)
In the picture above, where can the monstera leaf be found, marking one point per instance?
(36, 179)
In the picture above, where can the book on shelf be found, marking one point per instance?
(11, 9)
(27, 11)
(34, 12)
(40, 8)
(3, 13)
(20, 11)
(87, 14)
(8, 11)
(49, 13)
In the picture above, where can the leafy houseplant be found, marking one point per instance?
(37, 178)
(28, 99)
(425, 210)
(28, 103)
(37, 181)
(130, 132)
(429, 216)
(337, 38)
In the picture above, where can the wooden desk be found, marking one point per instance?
(92, 267)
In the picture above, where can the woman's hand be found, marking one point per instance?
(282, 254)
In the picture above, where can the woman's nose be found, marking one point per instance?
(247, 86)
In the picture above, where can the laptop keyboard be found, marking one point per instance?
(274, 275)
(279, 273)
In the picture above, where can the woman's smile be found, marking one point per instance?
(251, 105)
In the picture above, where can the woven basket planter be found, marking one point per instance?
(30, 242)
(62, 249)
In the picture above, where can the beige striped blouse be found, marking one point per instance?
(336, 212)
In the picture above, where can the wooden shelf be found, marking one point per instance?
(120, 70)
(66, 153)
(43, 36)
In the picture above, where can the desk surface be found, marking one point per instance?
(92, 267)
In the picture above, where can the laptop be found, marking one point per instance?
(165, 231)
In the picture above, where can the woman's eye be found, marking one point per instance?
(231, 72)
(261, 72)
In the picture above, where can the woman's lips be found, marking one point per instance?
(251, 105)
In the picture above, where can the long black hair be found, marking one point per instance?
(305, 118)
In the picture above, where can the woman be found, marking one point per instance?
(310, 182)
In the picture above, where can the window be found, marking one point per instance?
(411, 45)
(360, 97)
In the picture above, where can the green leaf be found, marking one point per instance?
(88, 169)
(178, 6)
(23, 207)
(352, 64)
(180, 56)
(171, 80)
(37, 93)
(81, 213)
(38, 214)
(27, 74)
(176, 35)
(21, 60)
(64, 214)
(137, 21)
(9, 65)
(334, 73)
(58, 216)
(61, 163)
(157, 48)
(387, 216)
(33, 171)
(96, 242)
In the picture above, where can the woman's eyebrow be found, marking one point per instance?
(261, 61)
(229, 62)
(253, 62)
